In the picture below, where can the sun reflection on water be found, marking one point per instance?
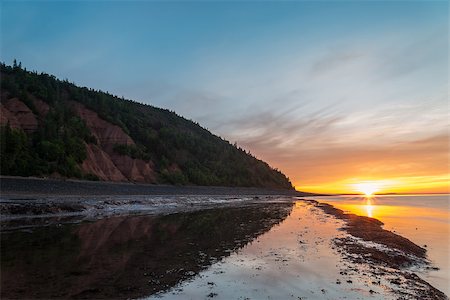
(368, 206)
(364, 206)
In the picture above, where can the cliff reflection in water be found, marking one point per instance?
(126, 257)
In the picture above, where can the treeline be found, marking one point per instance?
(160, 136)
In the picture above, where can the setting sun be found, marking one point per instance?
(368, 188)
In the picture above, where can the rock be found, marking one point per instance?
(100, 164)
(19, 115)
(41, 106)
(6, 116)
(102, 161)
(135, 170)
(106, 133)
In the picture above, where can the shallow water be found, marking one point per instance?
(293, 260)
(424, 219)
(278, 249)
(126, 256)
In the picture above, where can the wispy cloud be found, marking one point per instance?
(319, 90)
(426, 157)
(333, 60)
(363, 111)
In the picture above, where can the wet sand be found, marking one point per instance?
(22, 213)
(30, 202)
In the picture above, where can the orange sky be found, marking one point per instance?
(420, 166)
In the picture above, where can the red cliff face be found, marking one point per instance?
(101, 159)
(18, 115)
(6, 116)
(137, 169)
(106, 133)
(100, 164)
(41, 107)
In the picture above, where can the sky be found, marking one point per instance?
(332, 93)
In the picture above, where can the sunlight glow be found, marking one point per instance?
(368, 188)
(397, 185)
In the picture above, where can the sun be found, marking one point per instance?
(368, 188)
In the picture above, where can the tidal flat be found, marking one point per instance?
(202, 247)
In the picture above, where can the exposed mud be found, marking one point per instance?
(370, 229)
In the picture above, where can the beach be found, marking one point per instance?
(252, 246)
(35, 186)
(424, 219)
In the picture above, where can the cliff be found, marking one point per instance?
(53, 128)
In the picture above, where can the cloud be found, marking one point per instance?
(424, 157)
(348, 111)
(332, 61)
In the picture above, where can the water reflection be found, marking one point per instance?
(126, 257)
(369, 207)
(363, 206)
(424, 219)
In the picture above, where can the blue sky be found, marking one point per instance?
(309, 86)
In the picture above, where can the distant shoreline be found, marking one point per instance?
(11, 185)
(385, 194)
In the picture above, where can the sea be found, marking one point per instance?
(423, 219)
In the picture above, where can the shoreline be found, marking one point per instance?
(367, 244)
(30, 202)
(370, 244)
(370, 229)
(36, 186)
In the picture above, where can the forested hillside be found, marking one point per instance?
(54, 128)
